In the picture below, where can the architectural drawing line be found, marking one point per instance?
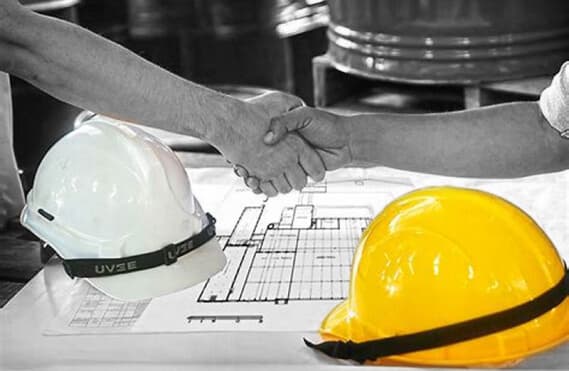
(300, 257)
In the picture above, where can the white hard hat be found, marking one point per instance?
(116, 205)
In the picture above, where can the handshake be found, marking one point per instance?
(275, 143)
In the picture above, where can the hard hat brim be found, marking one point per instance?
(334, 326)
(190, 270)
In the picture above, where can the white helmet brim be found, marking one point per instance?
(189, 270)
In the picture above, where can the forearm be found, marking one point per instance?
(500, 141)
(88, 71)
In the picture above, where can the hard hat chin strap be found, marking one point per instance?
(447, 335)
(168, 255)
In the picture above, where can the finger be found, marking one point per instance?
(312, 164)
(296, 177)
(281, 184)
(281, 125)
(252, 182)
(240, 171)
(268, 189)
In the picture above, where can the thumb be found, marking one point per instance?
(281, 125)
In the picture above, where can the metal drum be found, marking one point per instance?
(39, 119)
(268, 43)
(157, 18)
(154, 29)
(448, 41)
(231, 18)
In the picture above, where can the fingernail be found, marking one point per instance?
(269, 137)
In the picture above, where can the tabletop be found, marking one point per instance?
(22, 345)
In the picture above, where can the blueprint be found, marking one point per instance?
(289, 257)
(300, 257)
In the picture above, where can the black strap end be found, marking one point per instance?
(308, 343)
(337, 349)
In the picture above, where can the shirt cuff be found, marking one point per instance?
(554, 102)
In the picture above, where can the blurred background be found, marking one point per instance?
(371, 55)
(343, 55)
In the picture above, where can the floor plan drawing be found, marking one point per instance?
(300, 257)
(298, 248)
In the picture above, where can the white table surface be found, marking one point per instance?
(22, 345)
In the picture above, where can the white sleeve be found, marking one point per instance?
(554, 101)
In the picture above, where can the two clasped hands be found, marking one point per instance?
(276, 142)
(296, 143)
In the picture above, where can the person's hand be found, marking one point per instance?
(321, 130)
(277, 168)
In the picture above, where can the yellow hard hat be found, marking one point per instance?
(450, 277)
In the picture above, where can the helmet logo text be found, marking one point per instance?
(115, 268)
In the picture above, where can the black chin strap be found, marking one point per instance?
(447, 335)
(165, 256)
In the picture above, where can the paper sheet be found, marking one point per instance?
(289, 257)
(88, 311)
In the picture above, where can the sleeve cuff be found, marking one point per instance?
(554, 102)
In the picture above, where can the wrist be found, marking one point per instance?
(224, 112)
(350, 127)
(365, 135)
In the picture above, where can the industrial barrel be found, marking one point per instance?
(267, 43)
(155, 30)
(153, 18)
(448, 41)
